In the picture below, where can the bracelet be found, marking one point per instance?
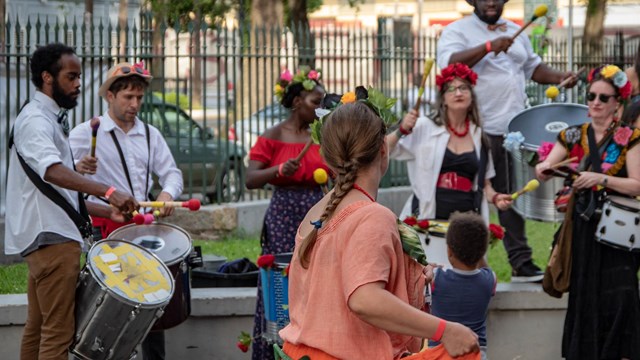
(399, 133)
(487, 46)
(494, 197)
(440, 331)
(110, 191)
(605, 180)
(403, 131)
(280, 173)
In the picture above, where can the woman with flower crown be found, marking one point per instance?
(351, 287)
(603, 314)
(273, 160)
(448, 158)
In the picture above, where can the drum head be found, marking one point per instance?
(544, 122)
(130, 272)
(168, 242)
(438, 228)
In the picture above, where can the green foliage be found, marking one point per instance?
(173, 97)
(178, 12)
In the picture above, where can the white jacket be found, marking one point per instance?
(424, 151)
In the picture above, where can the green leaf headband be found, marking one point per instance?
(373, 98)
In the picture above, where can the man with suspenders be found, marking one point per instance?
(128, 152)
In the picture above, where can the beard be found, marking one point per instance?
(63, 100)
(488, 19)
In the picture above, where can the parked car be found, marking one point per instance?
(247, 130)
(210, 165)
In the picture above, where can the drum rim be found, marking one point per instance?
(534, 147)
(104, 286)
(611, 199)
(178, 259)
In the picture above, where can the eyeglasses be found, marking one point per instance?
(603, 97)
(462, 88)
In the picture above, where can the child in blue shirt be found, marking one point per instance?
(462, 294)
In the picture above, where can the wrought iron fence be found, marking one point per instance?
(212, 92)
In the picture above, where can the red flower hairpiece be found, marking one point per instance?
(456, 70)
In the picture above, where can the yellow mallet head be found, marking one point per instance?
(541, 10)
(552, 92)
(320, 176)
(531, 185)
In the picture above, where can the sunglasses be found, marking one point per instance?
(603, 98)
(127, 69)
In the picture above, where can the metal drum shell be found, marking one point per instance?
(178, 309)
(537, 124)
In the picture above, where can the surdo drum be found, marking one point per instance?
(121, 291)
(539, 124)
(435, 245)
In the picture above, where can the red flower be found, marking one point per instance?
(457, 70)
(625, 91)
(497, 231)
(242, 347)
(622, 135)
(544, 150)
(265, 261)
(576, 151)
(423, 224)
(410, 220)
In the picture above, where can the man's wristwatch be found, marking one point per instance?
(604, 181)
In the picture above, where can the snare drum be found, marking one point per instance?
(435, 247)
(537, 124)
(172, 245)
(618, 226)
(121, 291)
(275, 295)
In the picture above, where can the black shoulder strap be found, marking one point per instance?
(595, 151)
(80, 218)
(124, 163)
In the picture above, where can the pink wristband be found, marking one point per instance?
(280, 170)
(403, 131)
(109, 192)
(440, 331)
(487, 46)
(493, 199)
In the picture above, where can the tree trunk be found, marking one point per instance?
(123, 15)
(302, 33)
(261, 70)
(593, 32)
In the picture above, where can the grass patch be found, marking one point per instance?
(13, 278)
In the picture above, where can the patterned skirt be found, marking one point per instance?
(286, 210)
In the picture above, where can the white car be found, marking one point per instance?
(246, 131)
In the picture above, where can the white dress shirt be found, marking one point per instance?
(501, 78)
(424, 150)
(134, 148)
(41, 142)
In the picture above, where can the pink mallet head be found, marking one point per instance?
(193, 204)
(95, 124)
(148, 219)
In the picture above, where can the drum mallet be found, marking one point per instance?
(552, 91)
(540, 11)
(193, 204)
(428, 65)
(95, 124)
(531, 185)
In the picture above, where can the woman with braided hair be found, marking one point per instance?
(350, 284)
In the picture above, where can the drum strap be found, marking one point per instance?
(124, 163)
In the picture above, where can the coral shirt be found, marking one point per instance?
(274, 152)
(357, 246)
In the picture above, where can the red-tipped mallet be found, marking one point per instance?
(95, 124)
(193, 204)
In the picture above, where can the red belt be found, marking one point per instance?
(454, 181)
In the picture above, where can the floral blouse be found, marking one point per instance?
(576, 143)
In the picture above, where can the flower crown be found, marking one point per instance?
(305, 75)
(456, 70)
(616, 75)
(373, 98)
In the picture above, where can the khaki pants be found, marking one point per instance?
(50, 326)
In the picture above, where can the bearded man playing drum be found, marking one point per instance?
(38, 228)
(483, 41)
(603, 314)
(128, 151)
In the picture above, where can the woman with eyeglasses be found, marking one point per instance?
(603, 314)
(447, 156)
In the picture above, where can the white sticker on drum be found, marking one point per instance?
(556, 126)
